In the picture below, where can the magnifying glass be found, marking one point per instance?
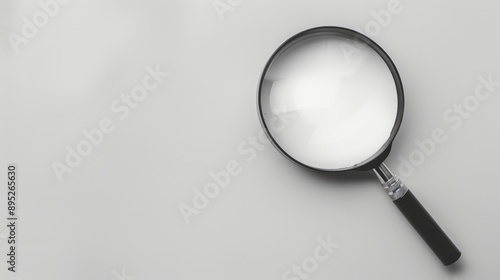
(342, 99)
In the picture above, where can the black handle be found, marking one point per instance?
(428, 229)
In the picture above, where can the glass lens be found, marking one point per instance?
(329, 101)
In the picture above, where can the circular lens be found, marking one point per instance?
(329, 99)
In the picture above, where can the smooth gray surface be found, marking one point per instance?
(119, 208)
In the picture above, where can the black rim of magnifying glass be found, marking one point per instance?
(383, 152)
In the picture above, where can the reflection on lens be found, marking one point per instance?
(339, 96)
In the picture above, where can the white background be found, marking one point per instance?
(119, 208)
